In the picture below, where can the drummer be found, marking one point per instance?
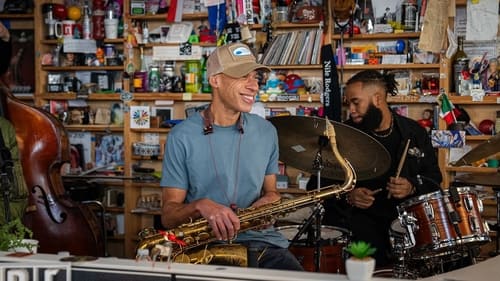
(374, 201)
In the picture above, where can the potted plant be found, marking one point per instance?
(360, 265)
(14, 236)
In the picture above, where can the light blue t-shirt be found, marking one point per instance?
(225, 166)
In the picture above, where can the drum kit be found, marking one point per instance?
(430, 230)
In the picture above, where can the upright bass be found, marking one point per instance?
(57, 222)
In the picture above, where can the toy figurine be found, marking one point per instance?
(490, 76)
(426, 121)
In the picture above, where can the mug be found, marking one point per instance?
(65, 28)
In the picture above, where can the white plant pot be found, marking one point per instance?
(32, 250)
(360, 270)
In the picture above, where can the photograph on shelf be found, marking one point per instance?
(164, 113)
(59, 108)
(447, 139)
(401, 109)
(81, 155)
(108, 150)
(139, 117)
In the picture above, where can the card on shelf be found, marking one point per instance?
(139, 117)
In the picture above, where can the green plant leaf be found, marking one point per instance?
(360, 249)
(12, 234)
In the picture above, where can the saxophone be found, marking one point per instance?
(188, 243)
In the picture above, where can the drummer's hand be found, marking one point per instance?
(400, 187)
(223, 221)
(362, 197)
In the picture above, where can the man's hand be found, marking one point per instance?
(268, 198)
(224, 222)
(400, 187)
(362, 197)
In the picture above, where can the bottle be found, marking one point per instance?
(86, 23)
(154, 79)
(205, 84)
(409, 16)
(460, 64)
(192, 76)
(145, 32)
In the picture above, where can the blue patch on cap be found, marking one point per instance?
(242, 51)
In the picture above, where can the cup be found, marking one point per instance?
(67, 28)
(111, 28)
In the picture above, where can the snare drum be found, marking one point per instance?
(473, 230)
(433, 232)
(333, 242)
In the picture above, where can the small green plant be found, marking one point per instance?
(12, 235)
(360, 249)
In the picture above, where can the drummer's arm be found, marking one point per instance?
(270, 193)
(428, 178)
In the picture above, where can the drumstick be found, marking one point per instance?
(401, 162)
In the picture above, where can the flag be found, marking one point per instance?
(447, 111)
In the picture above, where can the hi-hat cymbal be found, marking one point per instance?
(487, 148)
(299, 143)
(489, 179)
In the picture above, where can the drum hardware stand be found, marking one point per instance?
(401, 269)
(317, 214)
(316, 217)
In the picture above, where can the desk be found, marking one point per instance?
(112, 269)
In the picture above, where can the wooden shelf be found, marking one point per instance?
(471, 169)
(201, 44)
(391, 66)
(297, 66)
(114, 209)
(17, 16)
(83, 68)
(146, 184)
(94, 128)
(72, 96)
(151, 130)
(185, 17)
(491, 99)
(59, 41)
(404, 99)
(378, 36)
(478, 138)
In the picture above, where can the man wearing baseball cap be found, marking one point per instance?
(225, 159)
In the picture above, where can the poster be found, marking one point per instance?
(109, 150)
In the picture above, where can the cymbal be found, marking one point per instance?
(489, 179)
(299, 144)
(483, 150)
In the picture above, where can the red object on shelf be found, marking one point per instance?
(487, 127)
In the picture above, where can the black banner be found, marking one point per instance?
(332, 99)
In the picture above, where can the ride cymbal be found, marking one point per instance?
(483, 150)
(301, 138)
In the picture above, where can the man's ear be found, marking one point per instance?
(214, 81)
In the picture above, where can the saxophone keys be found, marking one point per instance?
(203, 236)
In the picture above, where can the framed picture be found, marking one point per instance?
(164, 113)
(139, 117)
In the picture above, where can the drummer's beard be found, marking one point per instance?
(372, 118)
